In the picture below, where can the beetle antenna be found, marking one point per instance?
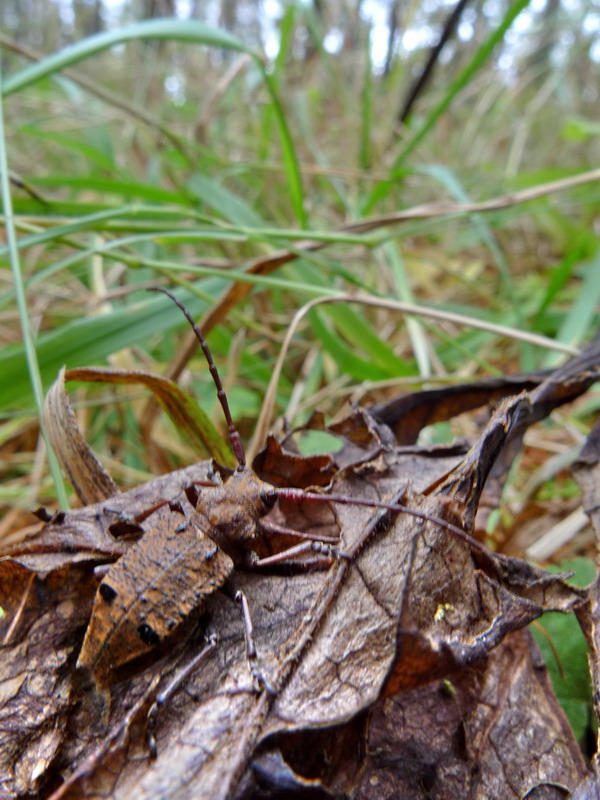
(234, 436)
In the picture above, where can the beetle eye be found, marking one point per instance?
(269, 498)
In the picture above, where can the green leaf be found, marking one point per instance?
(573, 690)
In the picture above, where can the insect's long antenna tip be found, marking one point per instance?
(234, 436)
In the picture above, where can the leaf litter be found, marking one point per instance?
(410, 653)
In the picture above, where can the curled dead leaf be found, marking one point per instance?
(87, 476)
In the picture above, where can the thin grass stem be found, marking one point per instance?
(29, 344)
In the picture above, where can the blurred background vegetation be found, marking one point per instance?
(202, 144)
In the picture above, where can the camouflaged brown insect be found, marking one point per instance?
(162, 578)
(171, 570)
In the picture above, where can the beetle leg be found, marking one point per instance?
(272, 527)
(130, 524)
(135, 519)
(322, 548)
(257, 674)
(169, 690)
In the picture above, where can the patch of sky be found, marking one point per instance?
(333, 41)
(175, 87)
(183, 9)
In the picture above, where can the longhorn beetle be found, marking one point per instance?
(168, 573)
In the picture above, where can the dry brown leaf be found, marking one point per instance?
(87, 476)
(409, 414)
(494, 730)
(410, 602)
(406, 626)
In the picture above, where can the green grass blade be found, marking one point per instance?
(287, 27)
(87, 222)
(224, 202)
(583, 311)
(89, 153)
(290, 159)
(414, 328)
(126, 190)
(84, 342)
(366, 111)
(484, 232)
(361, 335)
(191, 31)
(561, 274)
(345, 358)
(31, 367)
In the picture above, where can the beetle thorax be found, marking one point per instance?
(229, 513)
